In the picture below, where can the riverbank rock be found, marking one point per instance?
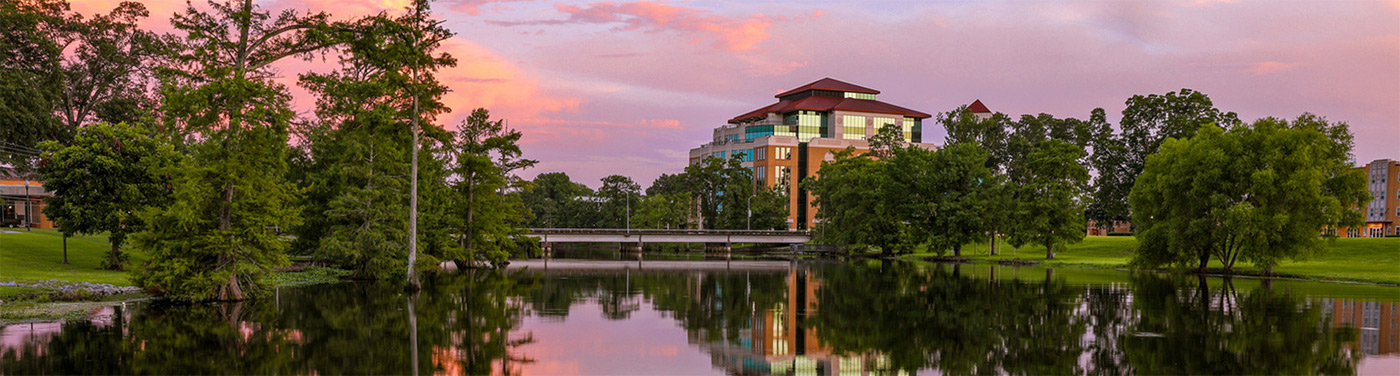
(1018, 262)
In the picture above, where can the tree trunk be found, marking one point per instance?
(1205, 261)
(231, 291)
(65, 249)
(957, 250)
(115, 255)
(1049, 250)
(413, 284)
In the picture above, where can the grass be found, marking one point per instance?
(38, 255)
(1370, 260)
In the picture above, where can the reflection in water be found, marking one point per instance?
(755, 318)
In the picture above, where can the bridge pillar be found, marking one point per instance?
(719, 250)
(630, 251)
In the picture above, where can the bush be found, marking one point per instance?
(1120, 234)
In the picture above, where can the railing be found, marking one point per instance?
(612, 231)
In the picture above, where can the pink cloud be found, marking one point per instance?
(473, 7)
(1271, 67)
(733, 34)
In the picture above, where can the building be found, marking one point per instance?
(1383, 211)
(22, 201)
(788, 140)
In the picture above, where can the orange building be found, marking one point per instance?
(788, 140)
(1118, 227)
(22, 201)
(1383, 212)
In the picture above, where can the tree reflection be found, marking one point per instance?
(1200, 329)
(466, 324)
(936, 318)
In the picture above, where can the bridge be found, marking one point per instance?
(716, 241)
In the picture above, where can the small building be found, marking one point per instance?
(22, 200)
(1124, 227)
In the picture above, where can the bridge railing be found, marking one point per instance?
(609, 231)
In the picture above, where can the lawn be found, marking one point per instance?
(38, 255)
(1375, 260)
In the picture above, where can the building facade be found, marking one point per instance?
(22, 201)
(788, 140)
(1383, 211)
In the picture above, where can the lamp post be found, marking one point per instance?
(629, 211)
(748, 222)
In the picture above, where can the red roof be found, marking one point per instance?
(827, 104)
(978, 108)
(829, 84)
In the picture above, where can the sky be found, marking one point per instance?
(629, 87)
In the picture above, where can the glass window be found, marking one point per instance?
(782, 153)
(782, 177)
(807, 124)
(860, 95)
(853, 127)
(760, 154)
(881, 122)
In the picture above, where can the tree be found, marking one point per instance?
(668, 184)
(663, 211)
(108, 73)
(1148, 121)
(1261, 193)
(1049, 188)
(490, 213)
(1112, 181)
(953, 195)
(219, 237)
(727, 192)
(30, 78)
(554, 199)
(618, 196)
(990, 134)
(859, 204)
(102, 179)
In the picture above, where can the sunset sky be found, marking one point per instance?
(628, 88)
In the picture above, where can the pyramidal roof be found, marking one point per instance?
(829, 84)
(978, 108)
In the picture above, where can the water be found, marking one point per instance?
(744, 317)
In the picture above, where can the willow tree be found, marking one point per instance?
(219, 237)
(1261, 192)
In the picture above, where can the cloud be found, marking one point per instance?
(1271, 67)
(733, 34)
(473, 7)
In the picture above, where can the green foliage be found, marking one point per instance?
(490, 213)
(555, 200)
(953, 198)
(31, 78)
(663, 211)
(103, 178)
(1261, 192)
(727, 192)
(219, 237)
(990, 134)
(859, 204)
(1048, 190)
(617, 198)
(359, 168)
(667, 184)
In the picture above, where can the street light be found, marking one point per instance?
(748, 223)
(629, 211)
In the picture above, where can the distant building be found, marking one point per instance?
(22, 201)
(1118, 227)
(788, 140)
(1382, 213)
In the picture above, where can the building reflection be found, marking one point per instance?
(779, 341)
(1376, 322)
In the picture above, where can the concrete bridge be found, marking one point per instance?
(716, 241)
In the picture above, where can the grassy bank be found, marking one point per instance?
(1371, 260)
(30, 258)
